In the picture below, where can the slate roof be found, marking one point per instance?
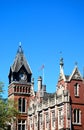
(20, 61)
(48, 96)
(76, 74)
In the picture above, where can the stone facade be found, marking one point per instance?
(62, 110)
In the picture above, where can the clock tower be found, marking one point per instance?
(20, 88)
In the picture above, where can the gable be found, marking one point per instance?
(75, 75)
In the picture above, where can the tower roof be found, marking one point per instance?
(20, 61)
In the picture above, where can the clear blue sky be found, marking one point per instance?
(45, 27)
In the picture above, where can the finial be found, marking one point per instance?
(61, 62)
(19, 43)
(61, 59)
(20, 48)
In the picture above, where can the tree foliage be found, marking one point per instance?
(8, 110)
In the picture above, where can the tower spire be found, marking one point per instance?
(20, 50)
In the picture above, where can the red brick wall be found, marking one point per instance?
(77, 102)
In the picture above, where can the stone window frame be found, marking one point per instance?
(47, 119)
(53, 118)
(22, 105)
(60, 117)
(76, 90)
(21, 124)
(77, 116)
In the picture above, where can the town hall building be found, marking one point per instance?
(40, 110)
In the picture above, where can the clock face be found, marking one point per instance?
(22, 76)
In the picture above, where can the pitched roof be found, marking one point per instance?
(20, 61)
(75, 74)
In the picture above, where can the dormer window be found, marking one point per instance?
(76, 90)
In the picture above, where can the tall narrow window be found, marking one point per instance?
(22, 105)
(19, 104)
(77, 116)
(53, 118)
(60, 113)
(15, 89)
(76, 89)
(31, 123)
(20, 89)
(21, 124)
(23, 89)
(40, 121)
(47, 120)
(60, 117)
(26, 90)
(35, 122)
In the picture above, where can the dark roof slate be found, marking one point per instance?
(48, 96)
(20, 61)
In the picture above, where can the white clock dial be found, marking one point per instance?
(22, 76)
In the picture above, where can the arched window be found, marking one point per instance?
(26, 90)
(23, 89)
(77, 116)
(22, 105)
(15, 89)
(76, 89)
(20, 89)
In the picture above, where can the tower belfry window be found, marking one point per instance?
(22, 105)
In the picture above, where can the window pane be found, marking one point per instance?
(23, 127)
(76, 89)
(23, 105)
(19, 104)
(19, 127)
(21, 124)
(19, 121)
(77, 116)
(23, 121)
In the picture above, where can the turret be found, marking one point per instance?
(39, 83)
(41, 87)
(62, 76)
